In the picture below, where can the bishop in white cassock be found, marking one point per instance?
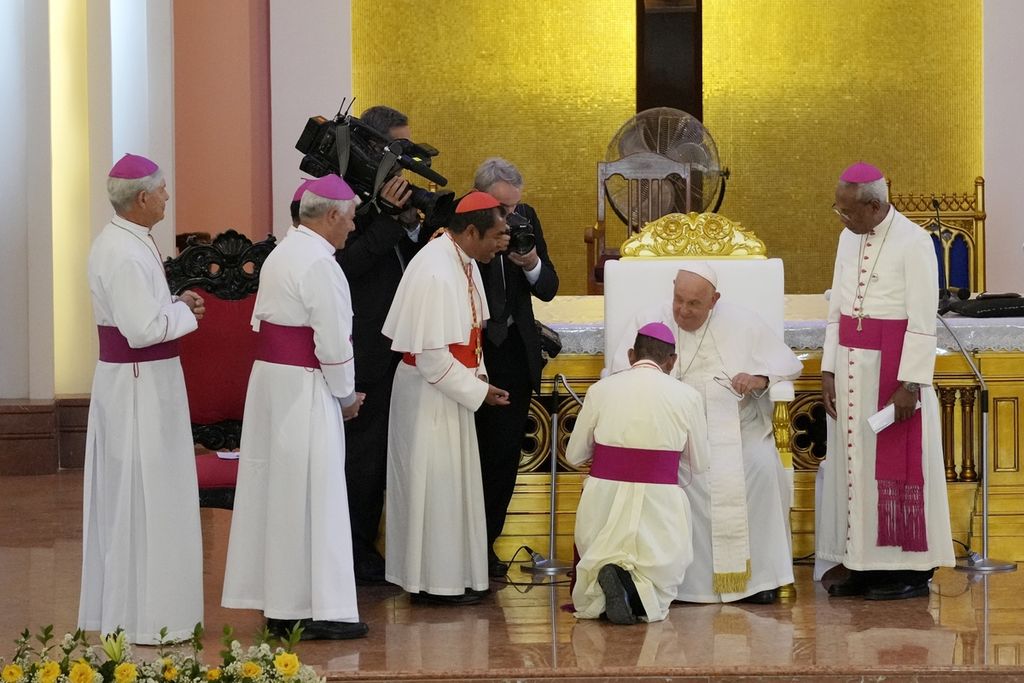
(741, 539)
(142, 555)
(290, 549)
(882, 508)
(645, 433)
(436, 528)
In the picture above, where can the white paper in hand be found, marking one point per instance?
(885, 417)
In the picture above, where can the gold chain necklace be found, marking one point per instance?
(155, 251)
(861, 294)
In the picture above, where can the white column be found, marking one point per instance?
(26, 259)
(1004, 144)
(141, 94)
(310, 73)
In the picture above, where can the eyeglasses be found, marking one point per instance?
(725, 382)
(842, 214)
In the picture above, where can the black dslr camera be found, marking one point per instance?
(366, 159)
(521, 238)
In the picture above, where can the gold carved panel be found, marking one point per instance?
(696, 235)
(1005, 434)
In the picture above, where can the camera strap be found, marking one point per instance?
(387, 164)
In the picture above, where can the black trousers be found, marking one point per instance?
(499, 429)
(366, 463)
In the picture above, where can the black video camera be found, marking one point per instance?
(366, 159)
(521, 238)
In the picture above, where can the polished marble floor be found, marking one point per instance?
(970, 628)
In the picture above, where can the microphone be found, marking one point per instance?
(945, 291)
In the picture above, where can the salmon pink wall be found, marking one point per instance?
(222, 116)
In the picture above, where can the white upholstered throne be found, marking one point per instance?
(643, 278)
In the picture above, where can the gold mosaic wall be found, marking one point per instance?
(795, 90)
(543, 84)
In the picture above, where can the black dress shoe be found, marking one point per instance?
(763, 598)
(616, 601)
(497, 569)
(848, 589)
(333, 630)
(897, 591)
(279, 628)
(466, 598)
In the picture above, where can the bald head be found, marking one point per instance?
(693, 297)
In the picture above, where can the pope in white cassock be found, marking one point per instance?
(741, 541)
(645, 433)
(882, 509)
(436, 526)
(142, 555)
(290, 549)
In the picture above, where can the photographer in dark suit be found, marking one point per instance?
(373, 261)
(511, 342)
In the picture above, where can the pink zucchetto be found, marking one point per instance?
(330, 187)
(297, 197)
(658, 331)
(132, 167)
(861, 172)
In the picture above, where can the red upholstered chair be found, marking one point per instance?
(216, 358)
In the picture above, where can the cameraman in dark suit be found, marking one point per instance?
(511, 345)
(373, 260)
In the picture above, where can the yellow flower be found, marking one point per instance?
(125, 672)
(287, 664)
(213, 675)
(170, 673)
(12, 673)
(251, 670)
(81, 672)
(49, 672)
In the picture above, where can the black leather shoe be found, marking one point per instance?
(496, 569)
(333, 630)
(279, 627)
(847, 589)
(433, 599)
(897, 591)
(763, 598)
(616, 602)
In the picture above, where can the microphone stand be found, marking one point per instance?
(552, 566)
(975, 562)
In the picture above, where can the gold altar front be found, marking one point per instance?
(960, 405)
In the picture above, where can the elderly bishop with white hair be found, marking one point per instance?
(883, 510)
(290, 549)
(141, 497)
(741, 541)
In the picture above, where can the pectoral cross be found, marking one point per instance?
(860, 315)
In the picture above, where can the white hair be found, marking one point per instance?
(313, 205)
(495, 170)
(868, 192)
(123, 191)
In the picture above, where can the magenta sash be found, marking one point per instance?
(637, 465)
(286, 345)
(114, 348)
(898, 451)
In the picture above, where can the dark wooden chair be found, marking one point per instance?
(651, 184)
(216, 359)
